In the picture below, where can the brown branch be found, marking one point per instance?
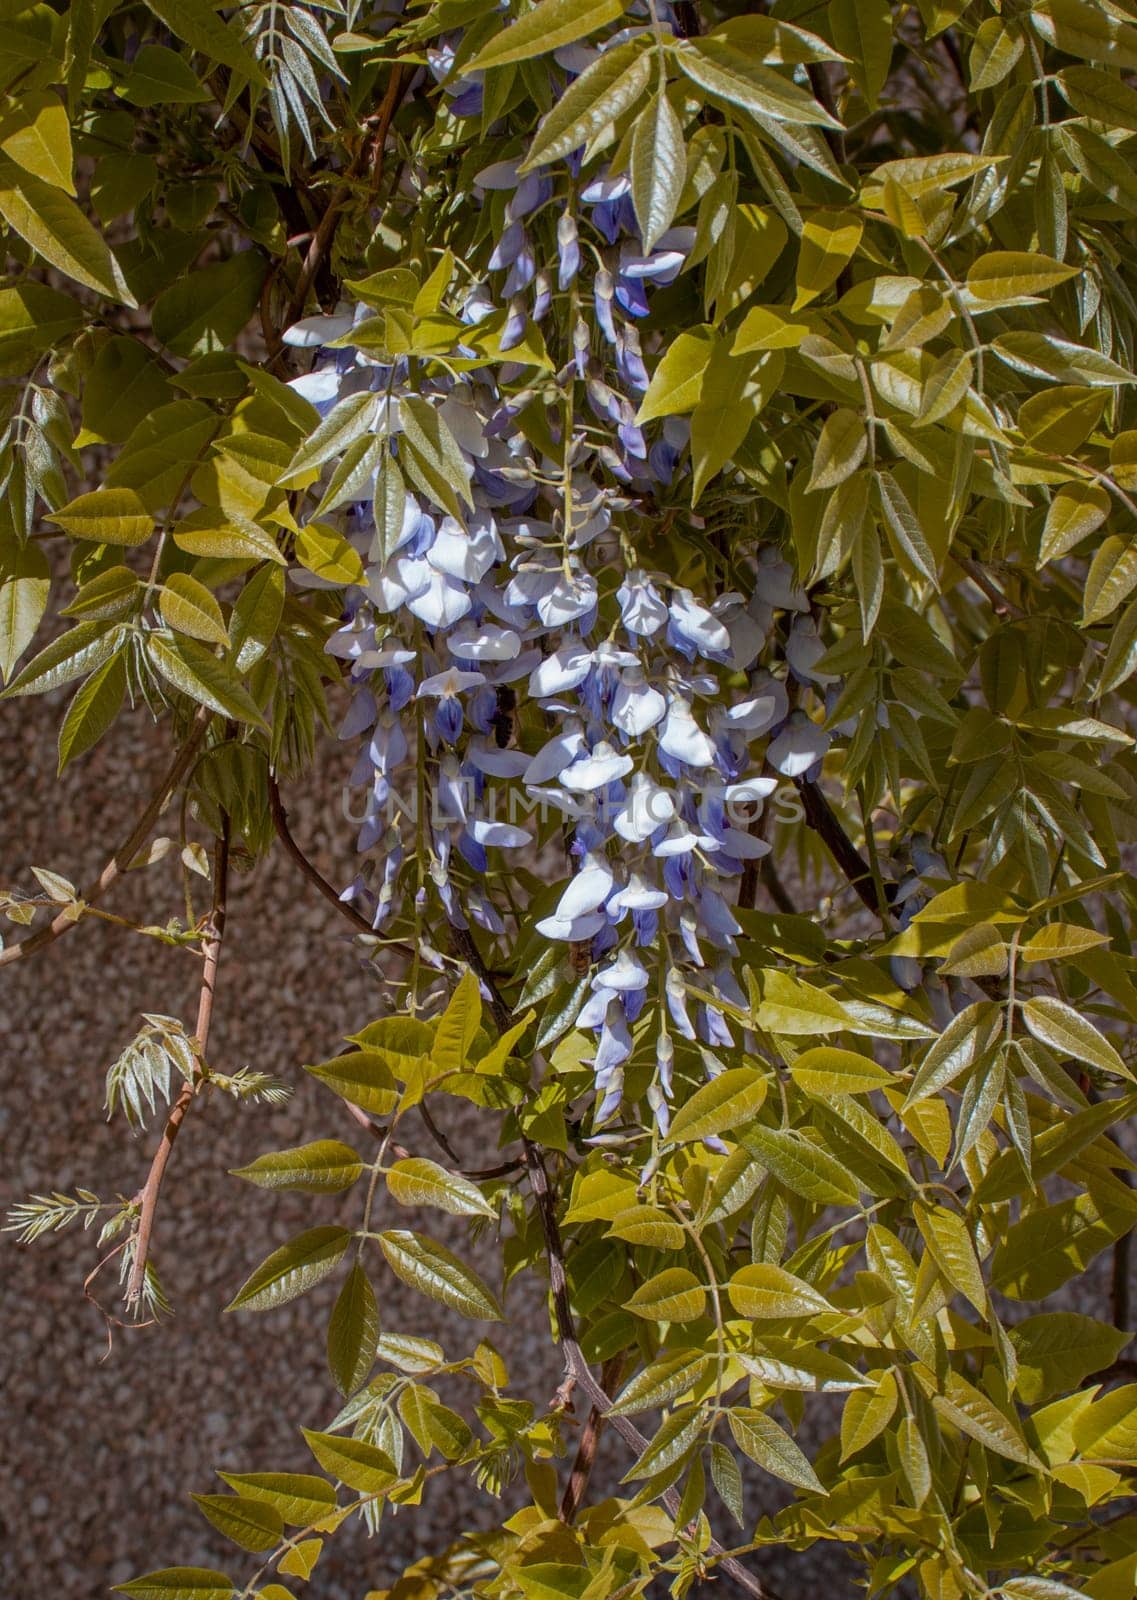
(213, 935)
(579, 1374)
(1003, 606)
(577, 1487)
(370, 153)
(821, 817)
(125, 853)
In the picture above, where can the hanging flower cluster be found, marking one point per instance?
(653, 726)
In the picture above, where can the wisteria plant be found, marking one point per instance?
(689, 452)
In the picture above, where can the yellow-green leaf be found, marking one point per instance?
(36, 133)
(252, 1524)
(546, 28)
(292, 1270)
(673, 1295)
(188, 607)
(329, 555)
(728, 1100)
(417, 1181)
(435, 1272)
(766, 1292)
(106, 516)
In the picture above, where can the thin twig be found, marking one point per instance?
(1004, 607)
(313, 874)
(370, 153)
(579, 1374)
(125, 853)
(211, 952)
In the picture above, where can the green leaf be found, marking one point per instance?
(126, 383)
(362, 1077)
(825, 1070)
(198, 24)
(840, 450)
(1067, 1031)
(180, 1583)
(94, 708)
(329, 555)
(433, 1271)
(160, 77)
(764, 1292)
(36, 133)
(904, 528)
(416, 1181)
(56, 229)
(677, 382)
(252, 1524)
(436, 452)
(361, 1466)
(1057, 1350)
(659, 168)
(1076, 511)
(188, 607)
(785, 1364)
(862, 31)
(353, 1331)
(207, 309)
(731, 73)
(299, 1498)
(256, 617)
(1057, 941)
(648, 1226)
(1035, 1588)
(215, 536)
(671, 1444)
(24, 594)
(728, 1100)
(964, 1041)
(1111, 580)
(968, 1409)
(545, 28)
(1045, 1249)
(106, 516)
(326, 1166)
(867, 1413)
(348, 420)
(194, 671)
(74, 654)
(296, 1267)
(829, 240)
(671, 1374)
(33, 318)
(1010, 277)
(734, 391)
(952, 1249)
(1107, 1430)
(457, 1028)
(604, 90)
(789, 1005)
(760, 1437)
(674, 1295)
(802, 1167)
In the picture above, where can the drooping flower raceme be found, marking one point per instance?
(518, 654)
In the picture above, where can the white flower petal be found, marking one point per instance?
(681, 737)
(589, 889)
(554, 757)
(602, 767)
